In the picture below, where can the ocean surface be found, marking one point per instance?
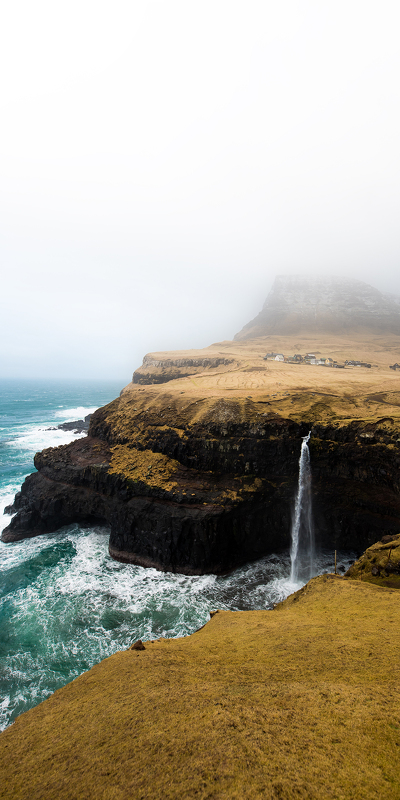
(64, 603)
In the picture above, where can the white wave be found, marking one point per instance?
(4, 712)
(79, 606)
(32, 440)
(7, 495)
(38, 438)
(72, 414)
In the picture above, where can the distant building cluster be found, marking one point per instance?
(311, 358)
(357, 364)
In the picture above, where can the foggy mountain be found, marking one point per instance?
(328, 305)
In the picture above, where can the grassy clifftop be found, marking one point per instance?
(197, 472)
(298, 702)
(237, 371)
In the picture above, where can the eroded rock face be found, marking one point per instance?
(205, 486)
(163, 370)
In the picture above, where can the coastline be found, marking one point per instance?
(255, 704)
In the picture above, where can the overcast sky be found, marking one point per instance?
(161, 161)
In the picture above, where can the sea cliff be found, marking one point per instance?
(197, 473)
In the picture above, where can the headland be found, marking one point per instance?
(194, 466)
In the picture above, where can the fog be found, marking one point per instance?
(162, 161)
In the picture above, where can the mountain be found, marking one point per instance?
(299, 304)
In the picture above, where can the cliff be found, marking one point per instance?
(197, 473)
(299, 702)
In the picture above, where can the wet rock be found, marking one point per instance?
(78, 426)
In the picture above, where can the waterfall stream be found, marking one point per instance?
(302, 549)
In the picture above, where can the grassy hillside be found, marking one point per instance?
(298, 702)
(293, 390)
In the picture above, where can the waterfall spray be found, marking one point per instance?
(302, 549)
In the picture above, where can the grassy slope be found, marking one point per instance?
(292, 390)
(299, 702)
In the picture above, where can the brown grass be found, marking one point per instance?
(380, 564)
(297, 391)
(299, 702)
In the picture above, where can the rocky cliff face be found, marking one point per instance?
(204, 486)
(337, 305)
(195, 466)
(163, 370)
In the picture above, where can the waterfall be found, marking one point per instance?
(302, 549)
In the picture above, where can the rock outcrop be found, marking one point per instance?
(380, 564)
(164, 369)
(297, 304)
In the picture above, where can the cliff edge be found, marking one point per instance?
(299, 702)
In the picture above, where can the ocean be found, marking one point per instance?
(64, 603)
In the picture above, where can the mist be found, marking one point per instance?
(162, 162)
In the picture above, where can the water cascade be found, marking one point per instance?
(302, 549)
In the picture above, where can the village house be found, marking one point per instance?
(357, 364)
(311, 358)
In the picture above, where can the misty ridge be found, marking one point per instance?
(337, 305)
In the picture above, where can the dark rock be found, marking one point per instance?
(232, 492)
(78, 426)
(392, 568)
(138, 645)
(156, 371)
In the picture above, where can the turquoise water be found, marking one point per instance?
(64, 603)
